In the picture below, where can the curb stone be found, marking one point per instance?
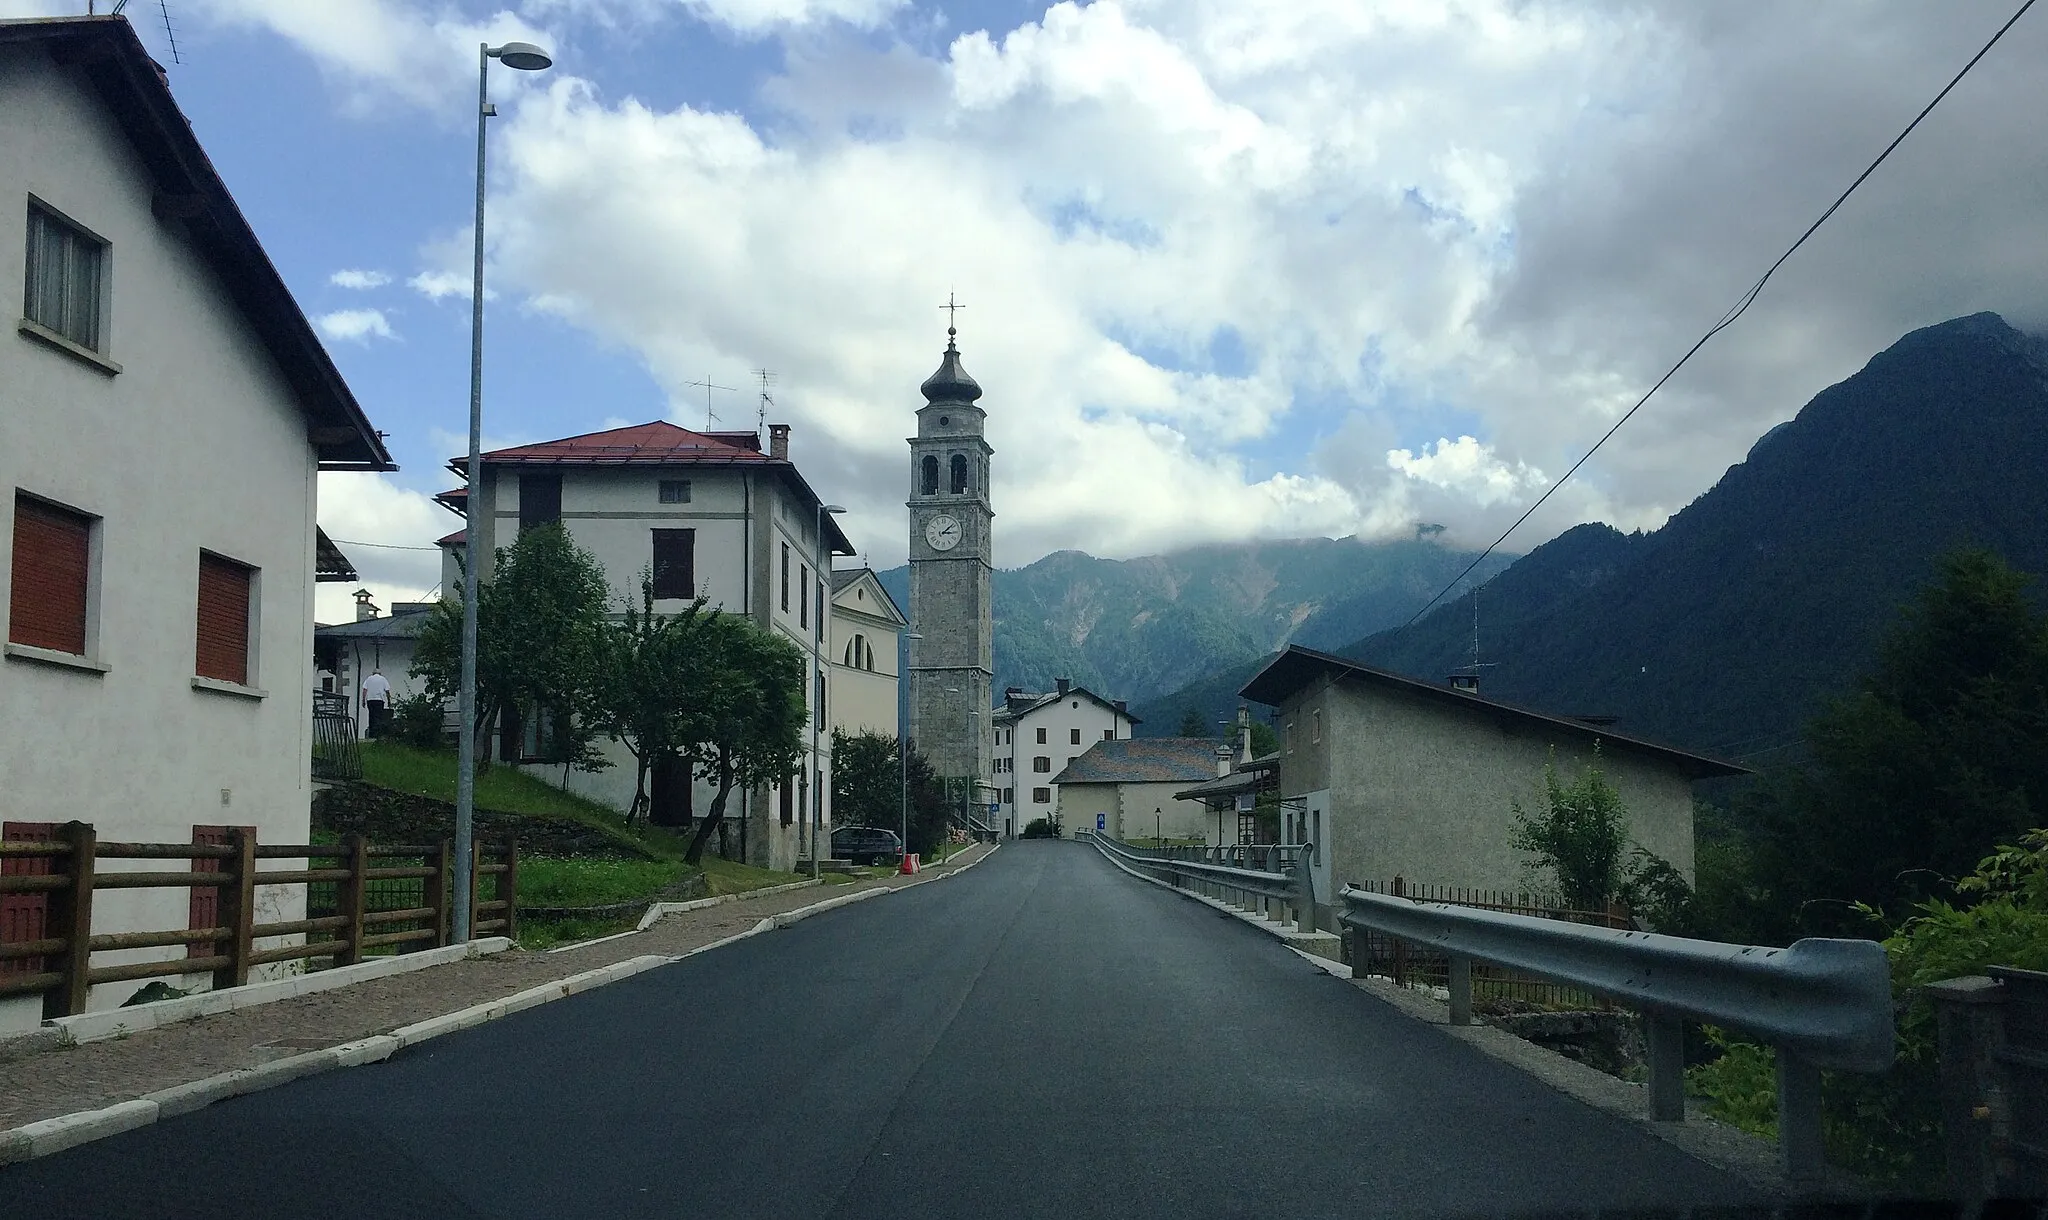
(52, 1135)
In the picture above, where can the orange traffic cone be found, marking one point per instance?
(909, 865)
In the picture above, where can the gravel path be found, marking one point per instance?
(101, 1073)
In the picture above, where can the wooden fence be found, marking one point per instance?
(1375, 953)
(46, 946)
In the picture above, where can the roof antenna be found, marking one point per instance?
(767, 377)
(163, 8)
(709, 418)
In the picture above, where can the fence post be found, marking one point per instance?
(1970, 1023)
(238, 910)
(434, 892)
(1461, 989)
(1400, 946)
(508, 887)
(70, 916)
(1665, 1046)
(351, 895)
(476, 864)
(1799, 1129)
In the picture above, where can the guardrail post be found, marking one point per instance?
(237, 910)
(1305, 887)
(70, 916)
(1665, 1044)
(1799, 1129)
(1461, 989)
(1970, 1023)
(508, 887)
(350, 896)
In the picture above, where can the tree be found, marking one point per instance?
(539, 622)
(867, 781)
(1938, 754)
(748, 713)
(648, 685)
(1264, 740)
(1191, 724)
(1581, 835)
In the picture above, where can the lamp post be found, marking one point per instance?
(824, 568)
(903, 640)
(525, 57)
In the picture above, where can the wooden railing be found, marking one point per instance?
(354, 890)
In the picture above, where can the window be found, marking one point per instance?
(225, 598)
(959, 474)
(1288, 734)
(1073, 737)
(821, 604)
(818, 705)
(540, 499)
(1041, 796)
(675, 491)
(1315, 725)
(929, 483)
(47, 605)
(66, 278)
(803, 593)
(1042, 764)
(785, 578)
(788, 798)
(675, 563)
(1041, 736)
(1009, 796)
(1109, 734)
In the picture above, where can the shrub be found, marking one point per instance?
(417, 721)
(1041, 828)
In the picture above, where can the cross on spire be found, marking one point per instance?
(952, 310)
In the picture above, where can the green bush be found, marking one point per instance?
(416, 721)
(1042, 828)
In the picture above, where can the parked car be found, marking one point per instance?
(866, 845)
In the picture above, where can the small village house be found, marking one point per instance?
(167, 408)
(1127, 787)
(1391, 777)
(1035, 736)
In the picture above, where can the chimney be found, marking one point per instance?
(1244, 733)
(1122, 708)
(365, 608)
(778, 442)
(1469, 683)
(1222, 761)
(1063, 685)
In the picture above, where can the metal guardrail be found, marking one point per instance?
(1294, 887)
(1821, 1003)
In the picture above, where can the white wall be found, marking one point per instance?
(197, 444)
(1060, 719)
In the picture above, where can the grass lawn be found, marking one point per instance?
(549, 881)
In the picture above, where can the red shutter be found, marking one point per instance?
(204, 908)
(52, 549)
(223, 651)
(25, 917)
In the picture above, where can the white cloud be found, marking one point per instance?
(355, 325)
(749, 17)
(361, 509)
(438, 285)
(358, 280)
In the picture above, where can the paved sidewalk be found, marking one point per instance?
(99, 1074)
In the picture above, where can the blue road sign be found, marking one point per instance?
(1102, 821)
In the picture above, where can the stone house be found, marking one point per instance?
(1391, 776)
(1126, 788)
(165, 410)
(1035, 736)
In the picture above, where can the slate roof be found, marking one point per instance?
(190, 196)
(1144, 760)
(1297, 666)
(386, 627)
(329, 564)
(1023, 703)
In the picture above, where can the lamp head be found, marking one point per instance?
(522, 55)
(835, 508)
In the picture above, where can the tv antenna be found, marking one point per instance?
(163, 8)
(709, 385)
(767, 378)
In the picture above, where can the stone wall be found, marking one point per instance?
(386, 816)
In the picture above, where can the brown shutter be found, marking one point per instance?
(675, 563)
(223, 652)
(52, 553)
(24, 917)
(202, 910)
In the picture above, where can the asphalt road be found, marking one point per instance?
(1041, 1036)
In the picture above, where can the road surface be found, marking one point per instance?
(1040, 1036)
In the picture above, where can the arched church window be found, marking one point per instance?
(871, 657)
(929, 485)
(848, 659)
(959, 473)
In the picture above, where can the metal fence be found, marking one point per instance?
(1291, 891)
(361, 900)
(336, 755)
(1496, 988)
(1820, 1003)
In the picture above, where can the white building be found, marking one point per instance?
(379, 643)
(707, 514)
(861, 654)
(164, 409)
(1126, 789)
(1036, 736)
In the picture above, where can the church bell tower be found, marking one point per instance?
(952, 668)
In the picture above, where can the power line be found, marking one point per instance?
(387, 546)
(1740, 307)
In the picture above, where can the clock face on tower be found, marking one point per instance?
(942, 533)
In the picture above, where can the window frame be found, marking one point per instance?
(785, 578)
(102, 312)
(1041, 764)
(687, 540)
(681, 488)
(1041, 796)
(251, 623)
(87, 656)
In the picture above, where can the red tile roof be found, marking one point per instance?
(454, 539)
(658, 442)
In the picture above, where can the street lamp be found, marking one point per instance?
(903, 724)
(824, 568)
(525, 57)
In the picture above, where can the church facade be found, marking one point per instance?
(952, 667)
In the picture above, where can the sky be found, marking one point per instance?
(1231, 269)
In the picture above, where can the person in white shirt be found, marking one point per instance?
(377, 700)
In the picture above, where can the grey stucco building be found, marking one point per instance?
(1391, 776)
